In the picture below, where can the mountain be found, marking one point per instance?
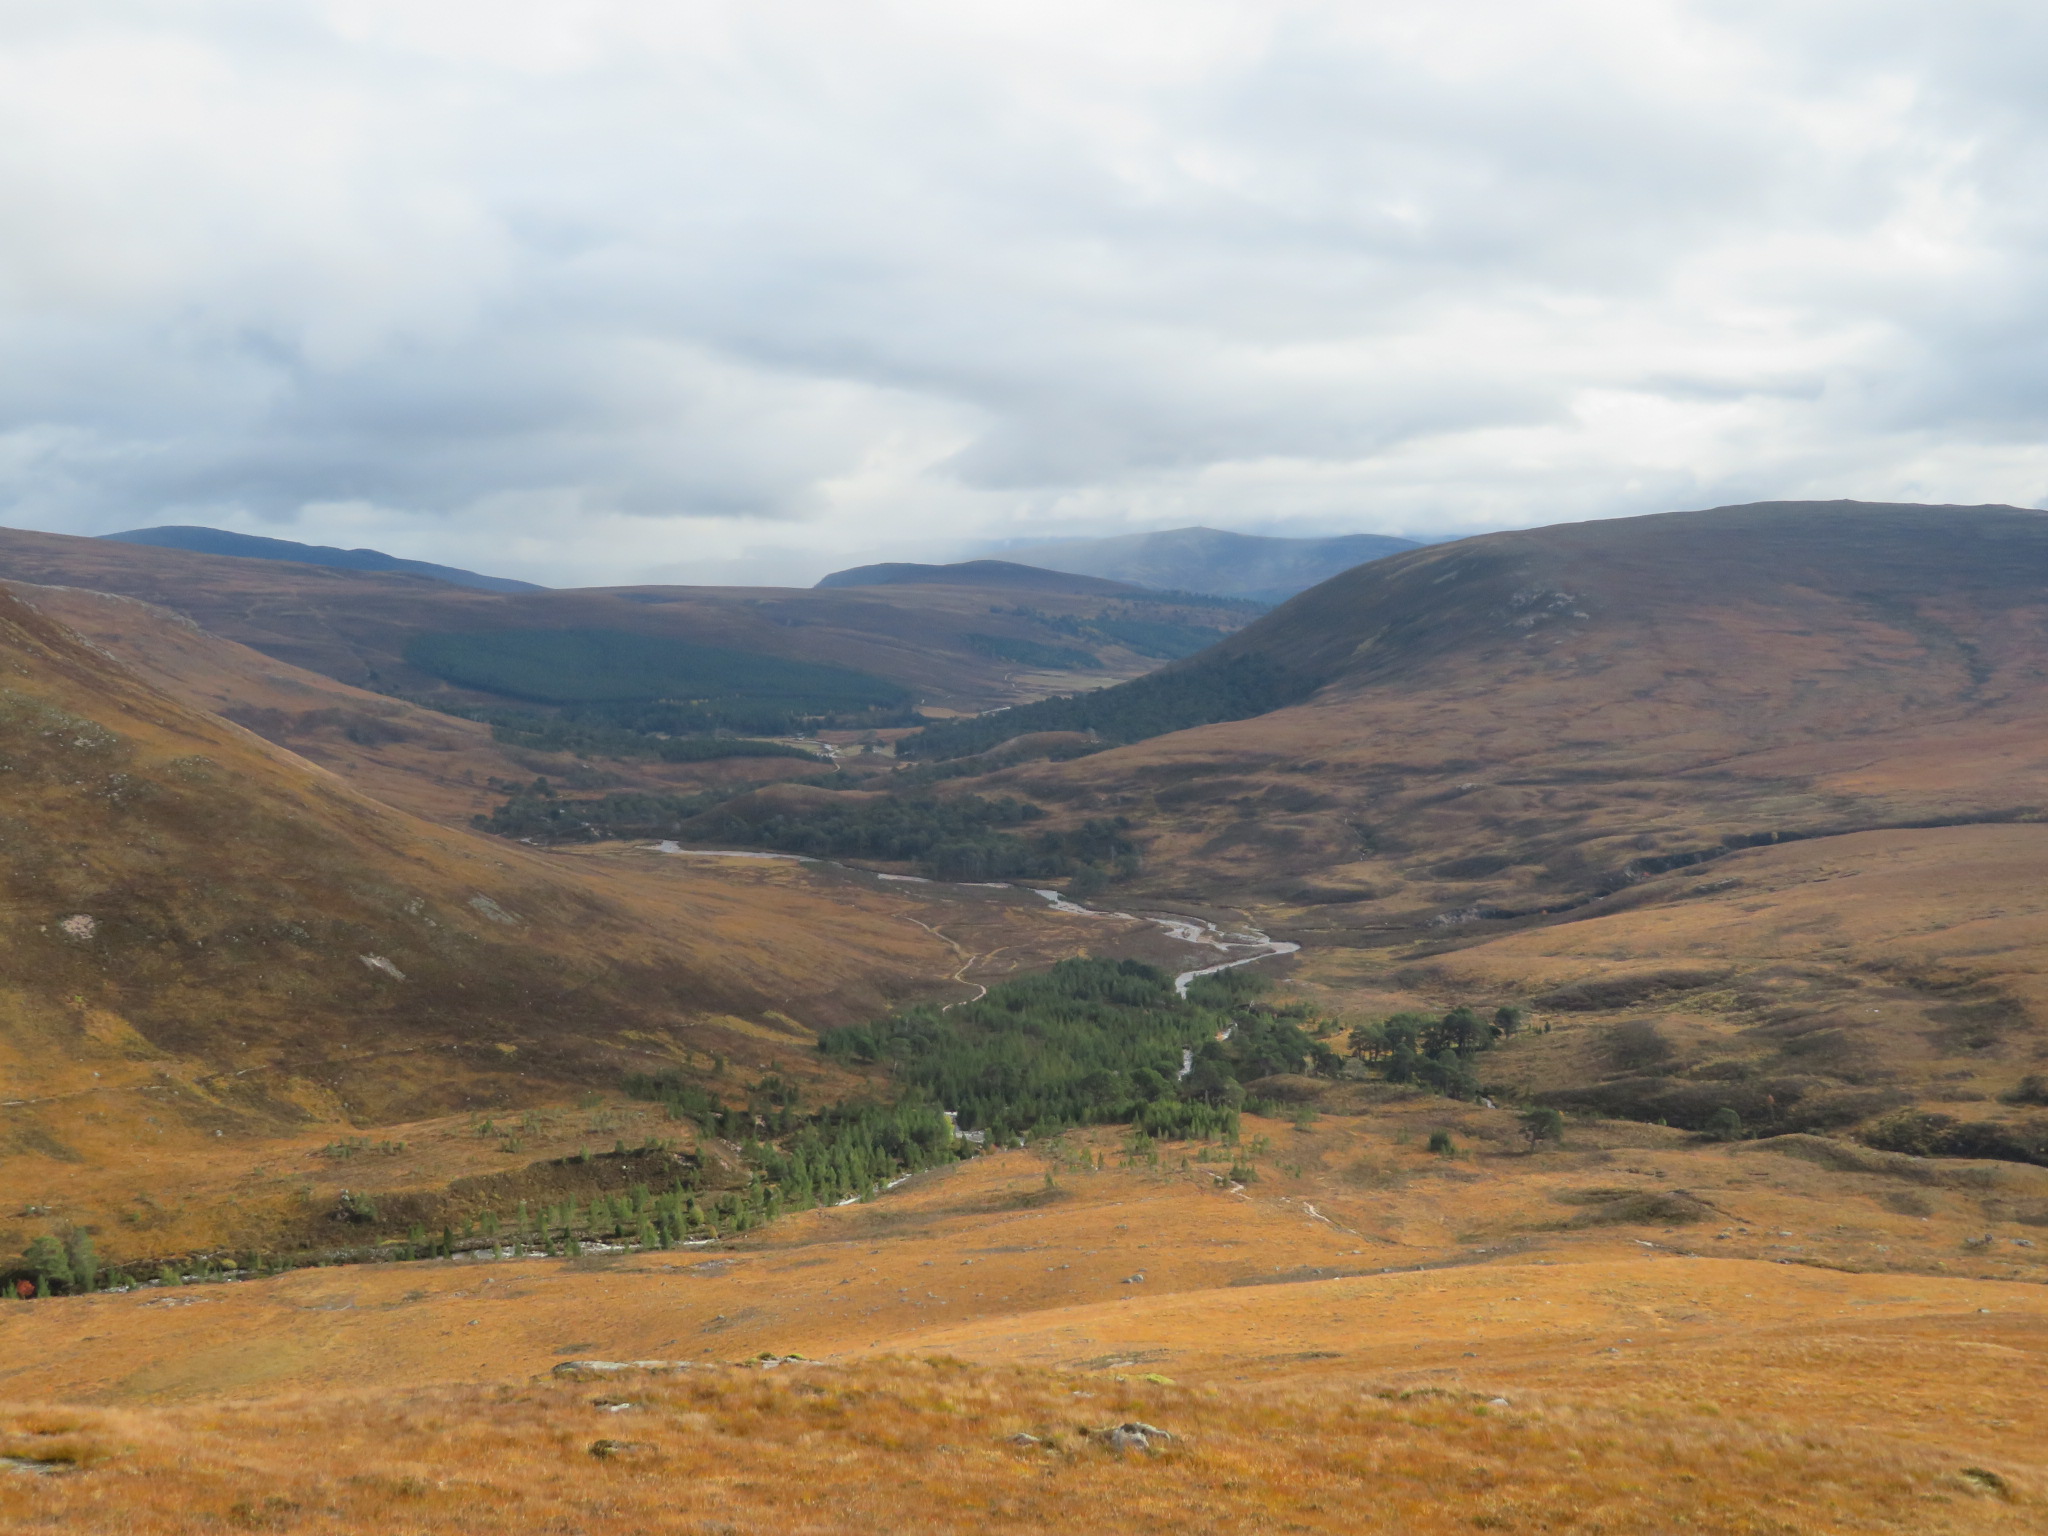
(248, 546)
(1267, 570)
(945, 647)
(210, 947)
(1765, 779)
(973, 573)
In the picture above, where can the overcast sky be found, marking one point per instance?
(690, 290)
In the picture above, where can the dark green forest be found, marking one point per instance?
(965, 838)
(1092, 1042)
(1035, 653)
(611, 666)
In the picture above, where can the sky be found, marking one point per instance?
(591, 291)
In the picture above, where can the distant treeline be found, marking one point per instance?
(789, 1158)
(594, 738)
(1034, 653)
(540, 814)
(966, 838)
(1200, 693)
(609, 681)
(1165, 639)
(1091, 1042)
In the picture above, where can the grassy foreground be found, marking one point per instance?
(1686, 1338)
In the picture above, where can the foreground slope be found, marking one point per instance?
(1630, 1333)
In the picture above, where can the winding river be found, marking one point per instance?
(1188, 930)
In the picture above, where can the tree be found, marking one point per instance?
(1724, 1124)
(1460, 1030)
(1509, 1018)
(1368, 1042)
(84, 1263)
(46, 1258)
(1542, 1125)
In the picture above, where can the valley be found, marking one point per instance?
(408, 1039)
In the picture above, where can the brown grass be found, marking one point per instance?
(926, 1445)
(1327, 1356)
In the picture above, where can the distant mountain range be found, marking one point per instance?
(249, 546)
(1210, 560)
(972, 573)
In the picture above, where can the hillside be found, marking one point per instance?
(217, 541)
(943, 648)
(1246, 565)
(422, 761)
(1775, 771)
(217, 955)
(1576, 704)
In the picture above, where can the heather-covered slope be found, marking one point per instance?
(1525, 720)
(205, 940)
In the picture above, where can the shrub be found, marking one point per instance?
(1724, 1124)
(1542, 1125)
(1440, 1142)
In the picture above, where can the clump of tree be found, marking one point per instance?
(1091, 1042)
(1927, 1134)
(1435, 1051)
(540, 813)
(62, 1265)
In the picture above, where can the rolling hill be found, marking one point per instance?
(945, 648)
(1775, 772)
(247, 546)
(1246, 565)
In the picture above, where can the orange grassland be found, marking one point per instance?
(1636, 1332)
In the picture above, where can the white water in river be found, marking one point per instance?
(1188, 930)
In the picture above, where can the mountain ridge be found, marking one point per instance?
(249, 546)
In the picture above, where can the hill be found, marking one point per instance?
(939, 648)
(1622, 752)
(973, 573)
(247, 546)
(217, 955)
(1267, 570)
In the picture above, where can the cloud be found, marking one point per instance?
(725, 291)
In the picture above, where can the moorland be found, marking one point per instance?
(1647, 1134)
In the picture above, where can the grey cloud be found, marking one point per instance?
(613, 290)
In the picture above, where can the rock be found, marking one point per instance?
(1137, 1279)
(606, 1450)
(607, 1367)
(1020, 1438)
(1133, 1436)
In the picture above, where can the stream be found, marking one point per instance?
(1188, 930)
